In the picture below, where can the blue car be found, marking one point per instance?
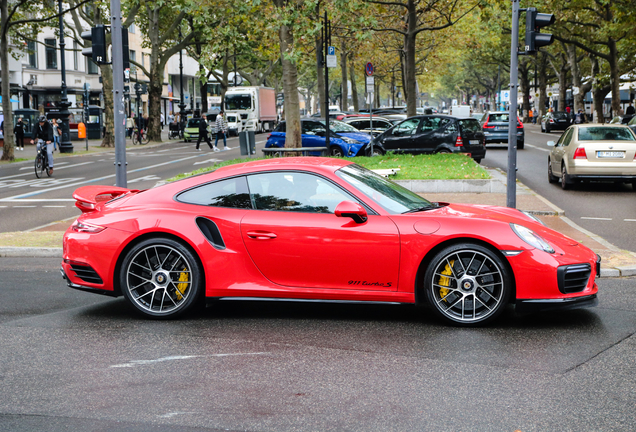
(344, 140)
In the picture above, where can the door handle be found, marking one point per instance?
(261, 235)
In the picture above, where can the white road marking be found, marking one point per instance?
(172, 414)
(22, 206)
(538, 148)
(629, 220)
(53, 206)
(31, 169)
(146, 178)
(210, 161)
(36, 200)
(134, 363)
(596, 218)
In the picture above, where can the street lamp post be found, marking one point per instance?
(65, 145)
(182, 104)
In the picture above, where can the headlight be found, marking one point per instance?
(350, 140)
(533, 217)
(532, 238)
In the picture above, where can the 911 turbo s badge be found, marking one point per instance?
(367, 283)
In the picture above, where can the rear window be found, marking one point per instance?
(503, 117)
(470, 125)
(560, 115)
(601, 133)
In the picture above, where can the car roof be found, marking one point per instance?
(328, 164)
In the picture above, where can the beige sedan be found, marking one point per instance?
(593, 152)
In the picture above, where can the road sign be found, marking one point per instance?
(331, 50)
(370, 84)
(369, 69)
(505, 96)
(332, 61)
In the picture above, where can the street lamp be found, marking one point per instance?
(182, 104)
(65, 145)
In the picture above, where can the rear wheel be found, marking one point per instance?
(39, 165)
(161, 278)
(551, 177)
(478, 160)
(467, 284)
(520, 145)
(565, 179)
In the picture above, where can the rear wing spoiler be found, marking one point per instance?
(87, 197)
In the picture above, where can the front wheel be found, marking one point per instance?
(336, 151)
(467, 284)
(377, 151)
(161, 278)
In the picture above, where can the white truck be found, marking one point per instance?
(460, 110)
(255, 106)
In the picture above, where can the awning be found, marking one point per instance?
(11, 100)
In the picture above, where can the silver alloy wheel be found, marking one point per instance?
(467, 286)
(159, 279)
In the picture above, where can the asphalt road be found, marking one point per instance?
(70, 360)
(27, 202)
(606, 209)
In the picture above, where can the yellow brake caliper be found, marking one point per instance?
(183, 286)
(445, 281)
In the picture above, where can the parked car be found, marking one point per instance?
(624, 119)
(191, 131)
(319, 229)
(593, 152)
(632, 124)
(234, 124)
(434, 134)
(363, 124)
(557, 120)
(495, 127)
(344, 140)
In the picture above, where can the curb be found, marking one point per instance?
(30, 252)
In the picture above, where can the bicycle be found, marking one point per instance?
(140, 137)
(42, 160)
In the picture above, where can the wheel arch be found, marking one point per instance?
(420, 296)
(155, 234)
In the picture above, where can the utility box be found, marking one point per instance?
(247, 142)
(94, 124)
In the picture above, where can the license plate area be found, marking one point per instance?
(473, 142)
(610, 154)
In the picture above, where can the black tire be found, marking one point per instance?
(547, 129)
(477, 160)
(39, 165)
(551, 177)
(542, 129)
(377, 151)
(565, 179)
(336, 151)
(163, 284)
(520, 145)
(467, 284)
(144, 138)
(444, 151)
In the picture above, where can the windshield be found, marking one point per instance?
(338, 126)
(600, 133)
(390, 196)
(192, 123)
(235, 102)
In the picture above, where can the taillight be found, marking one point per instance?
(459, 142)
(579, 153)
(486, 125)
(269, 136)
(519, 124)
(86, 227)
(551, 120)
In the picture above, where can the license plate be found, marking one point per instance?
(473, 142)
(610, 154)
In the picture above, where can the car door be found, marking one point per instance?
(400, 138)
(431, 134)
(296, 240)
(313, 134)
(560, 149)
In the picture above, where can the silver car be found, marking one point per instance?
(593, 152)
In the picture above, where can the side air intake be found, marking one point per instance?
(211, 232)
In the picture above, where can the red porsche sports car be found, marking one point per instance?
(317, 229)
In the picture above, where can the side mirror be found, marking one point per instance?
(550, 143)
(353, 210)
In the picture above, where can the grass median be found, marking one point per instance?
(453, 166)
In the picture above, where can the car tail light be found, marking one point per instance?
(579, 153)
(486, 125)
(459, 142)
(519, 124)
(86, 227)
(269, 136)
(551, 120)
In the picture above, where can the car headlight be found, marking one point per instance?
(350, 140)
(532, 238)
(533, 217)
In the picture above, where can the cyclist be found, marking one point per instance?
(43, 131)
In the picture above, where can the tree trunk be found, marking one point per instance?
(409, 52)
(576, 79)
(525, 89)
(598, 93)
(7, 153)
(109, 115)
(290, 89)
(615, 77)
(344, 92)
(354, 88)
(543, 84)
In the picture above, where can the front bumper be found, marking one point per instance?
(536, 305)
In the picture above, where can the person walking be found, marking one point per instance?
(221, 130)
(630, 109)
(44, 131)
(535, 114)
(57, 132)
(163, 121)
(130, 125)
(18, 131)
(203, 134)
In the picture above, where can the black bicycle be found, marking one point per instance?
(42, 160)
(140, 137)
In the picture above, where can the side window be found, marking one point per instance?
(281, 127)
(407, 127)
(225, 193)
(296, 192)
(312, 128)
(568, 137)
(452, 127)
(563, 138)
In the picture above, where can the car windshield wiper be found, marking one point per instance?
(423, 208)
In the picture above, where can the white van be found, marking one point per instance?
(234, 124)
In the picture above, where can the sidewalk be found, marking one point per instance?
(615, 262)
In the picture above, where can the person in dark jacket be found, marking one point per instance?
(44, 131)
(18, 130)
(630, 109)
(203, 133)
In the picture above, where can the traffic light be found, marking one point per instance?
(97, 50)
(124, 45)
(534, 38)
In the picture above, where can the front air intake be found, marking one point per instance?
(573, 278)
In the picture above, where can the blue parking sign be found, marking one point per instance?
(331, 50)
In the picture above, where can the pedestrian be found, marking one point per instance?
(203, 134)
(579, 117)
(630, 110)
(44, 131)
(221, 130)
(531, 115)
(567, 110)
(171, 118)
(57, 132)
(163, 120)
(18, 131)
(130, 125)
